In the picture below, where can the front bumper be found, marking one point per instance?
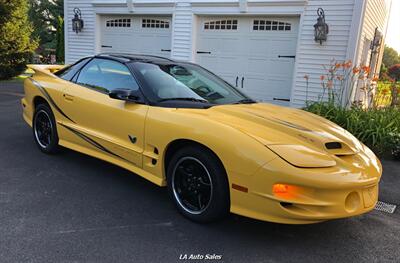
(314, 195)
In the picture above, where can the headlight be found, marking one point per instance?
(301, 156)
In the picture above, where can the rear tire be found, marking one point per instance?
(198, 184)
(45, 129)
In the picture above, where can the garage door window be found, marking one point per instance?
(119, 23)
(270, 25)
(230, 24)
(154, 23)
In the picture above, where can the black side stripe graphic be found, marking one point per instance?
(48, 97)
(93, 142)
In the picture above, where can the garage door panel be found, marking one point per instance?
(226, 67)
(136, 34)
(218, 45)
(267, 90)
(282, 46)
(252, 51)
(258, 66)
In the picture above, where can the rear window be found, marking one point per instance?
(68, 73)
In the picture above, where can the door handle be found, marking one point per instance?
(237, 79)
(242, 82)
(203, 52)
(68, 97)
(166, 50)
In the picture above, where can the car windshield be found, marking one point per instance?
(181, 81)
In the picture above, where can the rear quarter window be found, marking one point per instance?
(68, 72)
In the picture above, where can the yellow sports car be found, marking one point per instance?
(218, 151)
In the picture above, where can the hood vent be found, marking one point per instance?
(333, 145)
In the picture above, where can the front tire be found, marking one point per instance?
(198, 184)
(45, 129)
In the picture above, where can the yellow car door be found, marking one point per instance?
(111, 126)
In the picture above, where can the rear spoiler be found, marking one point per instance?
(45, 69)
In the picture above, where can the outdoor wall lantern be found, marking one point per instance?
(77, 22)
(321, 29)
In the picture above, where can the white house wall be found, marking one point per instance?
(376, 15)
(182, 32)
(78, 46)
(310, 57)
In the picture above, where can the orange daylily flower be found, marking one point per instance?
(366, 69)
(347, 64)
(337, 65)
(376, 78)
(322, 77)
(356, 70)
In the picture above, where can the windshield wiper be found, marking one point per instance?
(245, 101)
(186, 99)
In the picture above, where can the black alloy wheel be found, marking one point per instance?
(198, 184)
(192, 185)
(44, 129)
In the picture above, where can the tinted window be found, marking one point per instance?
(186, 81)
(105, 75)
(68, 72)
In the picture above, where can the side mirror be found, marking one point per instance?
(126, 95)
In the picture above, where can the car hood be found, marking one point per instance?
(299, 137)
(274, 125)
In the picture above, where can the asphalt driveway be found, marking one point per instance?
(74, 208)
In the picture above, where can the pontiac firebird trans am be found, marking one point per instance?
(178, 125)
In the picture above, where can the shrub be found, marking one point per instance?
(16, 47)
(394, 72)
(379, 129)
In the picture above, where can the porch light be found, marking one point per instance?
(77, 22)
(321, 29)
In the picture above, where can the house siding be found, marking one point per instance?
(182, 33)
(376, 16)
(311, 57)
(83, 44)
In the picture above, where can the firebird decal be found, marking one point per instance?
(48, 97)
(92, 142)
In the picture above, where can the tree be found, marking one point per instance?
(390, 57)
(60, 40)
(394, 72)
(16, 46)
(44, 16)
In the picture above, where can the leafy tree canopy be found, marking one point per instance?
(44, 15)
(16, 46)
(390, 57)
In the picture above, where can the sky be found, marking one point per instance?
(393, 33)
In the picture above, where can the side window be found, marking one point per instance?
(105, 75)
(68, 72)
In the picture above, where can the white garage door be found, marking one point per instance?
(150, 35)
(256, 54)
